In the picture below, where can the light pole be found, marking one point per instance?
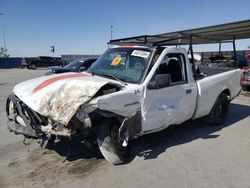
(52, 50)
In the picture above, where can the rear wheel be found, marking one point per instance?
(111, 148)
(219, 111)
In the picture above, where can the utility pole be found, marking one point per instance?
(111, 35)
(4, 39)
(111, 32)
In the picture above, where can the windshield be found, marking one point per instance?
(74, 64)
(125, 64)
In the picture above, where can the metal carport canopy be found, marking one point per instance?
(205, 35)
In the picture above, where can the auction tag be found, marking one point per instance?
(116, 61)
(140, 53)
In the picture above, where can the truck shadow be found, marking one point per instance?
(152, 145)
(78, 148)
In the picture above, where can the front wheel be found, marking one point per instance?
(219, 111)
(110, 147)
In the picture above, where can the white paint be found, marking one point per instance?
(212, 86)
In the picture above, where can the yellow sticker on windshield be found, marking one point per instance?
(116, 61)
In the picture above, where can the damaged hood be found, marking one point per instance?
(59, 96)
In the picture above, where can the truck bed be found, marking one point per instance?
(210, 87)
(210, 71)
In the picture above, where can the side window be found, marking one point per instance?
(174, 64)
(86, 64)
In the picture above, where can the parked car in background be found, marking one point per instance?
(42, 61)
(241, 61)
(247, 56)
(23, 63)
(246, 80)
(221, 61)
(218, 59)
(74, 66)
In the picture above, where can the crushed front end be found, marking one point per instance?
(25, 121)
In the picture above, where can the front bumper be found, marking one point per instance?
(23, 120)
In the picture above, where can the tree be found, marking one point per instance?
(3, 52)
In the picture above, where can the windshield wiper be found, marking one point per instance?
(106, 75)
(111, 76)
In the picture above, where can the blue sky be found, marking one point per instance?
(83, 27)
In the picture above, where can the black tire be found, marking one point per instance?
(110, 147)
(219, 112)
(32, 66)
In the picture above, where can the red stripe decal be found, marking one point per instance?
(126, 46)
(55, 79)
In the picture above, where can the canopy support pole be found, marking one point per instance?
(235, 58)
(192, 57)
(220, 48)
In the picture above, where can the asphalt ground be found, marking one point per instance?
(193, 154)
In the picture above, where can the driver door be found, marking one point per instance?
(172, 104)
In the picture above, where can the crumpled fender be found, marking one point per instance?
(59, 96)
(125, 102)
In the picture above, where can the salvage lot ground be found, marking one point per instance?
(190, 155)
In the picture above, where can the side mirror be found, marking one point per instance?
(160, 81)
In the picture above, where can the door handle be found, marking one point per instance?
(188, 91)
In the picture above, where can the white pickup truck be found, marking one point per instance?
(128, 92)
